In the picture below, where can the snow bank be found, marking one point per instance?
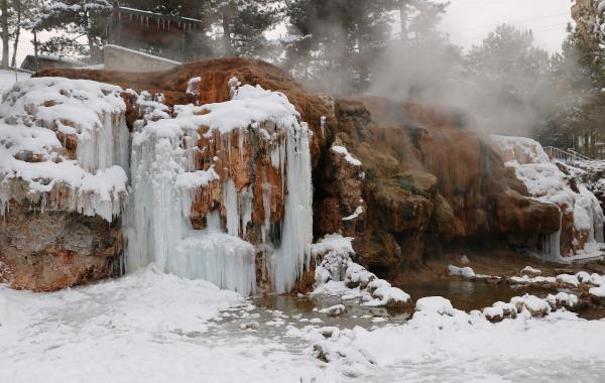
(145, 327)
(465, 347)
(435, 305)
(38, 118)
(9, 77)
(547, 183)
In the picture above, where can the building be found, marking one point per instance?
(172, 37)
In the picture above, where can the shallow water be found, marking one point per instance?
(468, 295)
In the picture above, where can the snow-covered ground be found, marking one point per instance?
(8, 78)
(146, 327)
(155, 327)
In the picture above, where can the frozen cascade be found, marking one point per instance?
(292, 257)
(157, 224)
(105, 145)
(164, 184)
(547, 183)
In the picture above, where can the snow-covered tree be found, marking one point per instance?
(74, 21)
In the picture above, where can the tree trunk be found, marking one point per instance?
(403, 17)
(17, 32)
(35, 50)
(4, 24)
(227, 43)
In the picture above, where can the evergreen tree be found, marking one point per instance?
(336, 39)
(73, 20)
(511, 81)
(243, 24)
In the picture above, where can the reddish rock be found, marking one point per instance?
(51, 250)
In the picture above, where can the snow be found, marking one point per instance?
(333, 242)
(348, 157)
(435, 305)
(568, 279)
(155, 327)
(146, 327)
(337, 275)
(464, 348)
(465, 272)
(525, 279)
(531, 271)
(8, 78)
(358, 211)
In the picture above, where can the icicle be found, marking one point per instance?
(289, 261)
(230, 202)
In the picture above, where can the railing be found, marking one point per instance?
(567, 156)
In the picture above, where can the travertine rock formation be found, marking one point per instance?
(221, 188)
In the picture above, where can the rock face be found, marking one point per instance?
(220, 164)
(52, 250)
(428, 180)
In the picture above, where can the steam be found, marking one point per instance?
(508, 86)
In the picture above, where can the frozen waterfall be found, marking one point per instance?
(164, 183)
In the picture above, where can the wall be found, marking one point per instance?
(124, 59)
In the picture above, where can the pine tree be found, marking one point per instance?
(73, 20)
(338, 38)
(243, 24)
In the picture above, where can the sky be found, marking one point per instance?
(469, 21)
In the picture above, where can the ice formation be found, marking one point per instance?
(165, 182)
(65, 145)
(547, 183)
(41, 119)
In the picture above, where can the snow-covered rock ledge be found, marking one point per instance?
(64, 147)
(581, 216)
(337, 274)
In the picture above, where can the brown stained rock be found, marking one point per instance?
(244, 157)
(213, 87)
(429, 180)
(425, 178)
(53, 250)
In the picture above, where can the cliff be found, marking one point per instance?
(229, 170)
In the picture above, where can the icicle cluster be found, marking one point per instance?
(165, 182)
